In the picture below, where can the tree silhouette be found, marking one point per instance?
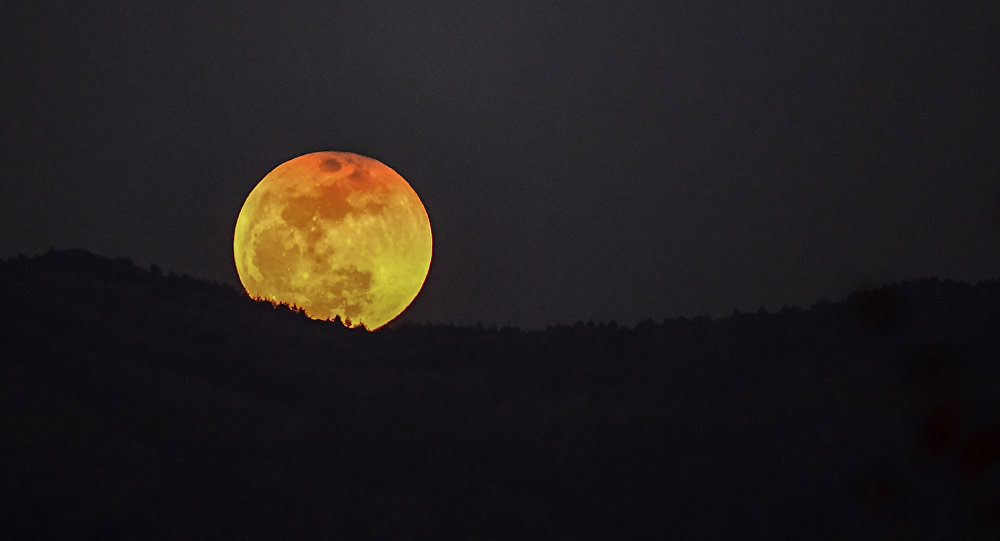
(142, 405)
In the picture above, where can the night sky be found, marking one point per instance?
(578, 160)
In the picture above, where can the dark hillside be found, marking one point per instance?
(142, 405)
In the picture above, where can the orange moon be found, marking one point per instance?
(337, 234)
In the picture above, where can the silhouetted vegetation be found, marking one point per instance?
(142, 405)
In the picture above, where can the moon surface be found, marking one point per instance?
(337, 234)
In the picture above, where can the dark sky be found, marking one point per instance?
(577, 159)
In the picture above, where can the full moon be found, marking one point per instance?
(336, 234)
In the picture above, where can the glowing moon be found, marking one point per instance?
(337, 234)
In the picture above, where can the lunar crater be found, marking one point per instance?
(330, 165)
(359, 175)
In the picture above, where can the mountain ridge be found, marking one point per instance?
(134, 403)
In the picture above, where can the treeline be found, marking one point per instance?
(139, 404)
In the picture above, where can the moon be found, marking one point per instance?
(336, 234)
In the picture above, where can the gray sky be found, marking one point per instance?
(577, 159)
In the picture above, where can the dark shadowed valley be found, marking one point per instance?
(138, 404)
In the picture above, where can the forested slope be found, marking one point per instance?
(164, 407)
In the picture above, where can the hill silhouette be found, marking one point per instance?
(143, 405)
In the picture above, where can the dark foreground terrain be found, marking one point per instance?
(138, 405)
